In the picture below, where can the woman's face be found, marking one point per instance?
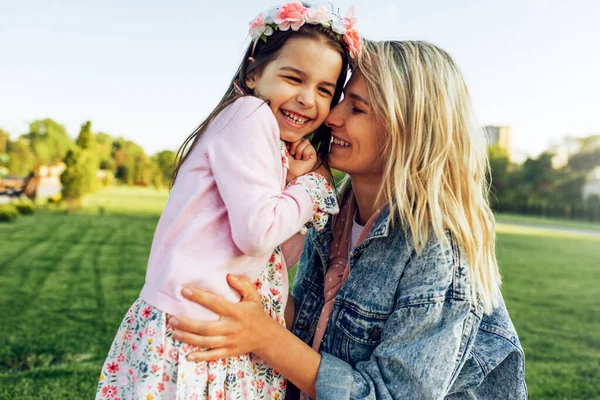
(358, 138)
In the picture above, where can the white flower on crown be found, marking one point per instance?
(320, 15)
(258, 27)
(338, 26)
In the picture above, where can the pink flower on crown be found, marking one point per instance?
(290, 15)
(320, 15)
(349, 21)
(352, 39)
(258, 27)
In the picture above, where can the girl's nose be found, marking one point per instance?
(306, 97)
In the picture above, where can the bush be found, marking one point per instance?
(55, 199)
(8, 213)
(25, 207)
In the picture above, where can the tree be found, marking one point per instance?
(88, 159)
(21, 160)
(164, 162)
(49, 141)
(86, 140)
(4, 139)
(72, 178)
(539, 172)
(104, 149)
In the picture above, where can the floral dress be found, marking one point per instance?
(145, 362)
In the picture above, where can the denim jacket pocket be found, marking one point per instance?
(359, 333)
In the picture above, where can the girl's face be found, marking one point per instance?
(299, 85)
(358, 137)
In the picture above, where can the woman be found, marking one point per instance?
(413, 309)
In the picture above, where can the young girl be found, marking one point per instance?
(235, 197)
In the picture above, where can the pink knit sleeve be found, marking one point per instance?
(246, 163)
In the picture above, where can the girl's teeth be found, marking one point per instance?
(294, 119)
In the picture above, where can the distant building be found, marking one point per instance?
(591, 186)
(499, 136)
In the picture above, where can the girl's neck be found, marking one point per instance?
(366, 189)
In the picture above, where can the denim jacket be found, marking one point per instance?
(403, 325)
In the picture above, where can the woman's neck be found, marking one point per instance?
(365, 191)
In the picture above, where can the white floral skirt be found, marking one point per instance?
(145, 362)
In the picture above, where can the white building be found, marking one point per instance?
(499, 136)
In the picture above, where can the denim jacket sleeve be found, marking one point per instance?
(425, 340)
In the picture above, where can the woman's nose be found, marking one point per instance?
(334, 119)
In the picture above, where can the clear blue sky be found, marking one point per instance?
(152, 70)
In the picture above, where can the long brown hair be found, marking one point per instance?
(263, 53)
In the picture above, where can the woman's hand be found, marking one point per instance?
(240, 330)
(245, 328)
(303, 159)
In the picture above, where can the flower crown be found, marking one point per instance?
(294, 14)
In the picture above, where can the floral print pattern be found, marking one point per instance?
(323, 197)
(145, 362)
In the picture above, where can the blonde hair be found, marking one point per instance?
(435, 171)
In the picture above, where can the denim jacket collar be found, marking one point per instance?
(322, 239)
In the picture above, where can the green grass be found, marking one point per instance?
(547, 222)
(67, 281)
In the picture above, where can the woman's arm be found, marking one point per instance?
(245, 328)
(424, 342)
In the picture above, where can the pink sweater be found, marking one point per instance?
(228, 210)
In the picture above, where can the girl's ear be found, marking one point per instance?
(252, 76)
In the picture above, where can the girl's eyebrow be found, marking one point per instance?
(303, 75)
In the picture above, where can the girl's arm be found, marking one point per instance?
(245, 328)
(246, 162)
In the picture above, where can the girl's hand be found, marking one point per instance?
(303, 158)
(240, 330)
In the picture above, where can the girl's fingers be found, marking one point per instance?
(293, 145)
(304, 150)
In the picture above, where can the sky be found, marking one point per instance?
(151, 70)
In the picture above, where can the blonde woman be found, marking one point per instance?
(398, 298)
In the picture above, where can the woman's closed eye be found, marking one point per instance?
(356, 110)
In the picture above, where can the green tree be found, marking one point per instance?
(48, 140)
(88, 159)
(21, 160)
(539, 172)
(73, 178)
(164, 162)
(104, 149)
(86, 140)
(4, 139)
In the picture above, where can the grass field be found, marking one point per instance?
(66, 282)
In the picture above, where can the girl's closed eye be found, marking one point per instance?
(326, 92)
(293, 79)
